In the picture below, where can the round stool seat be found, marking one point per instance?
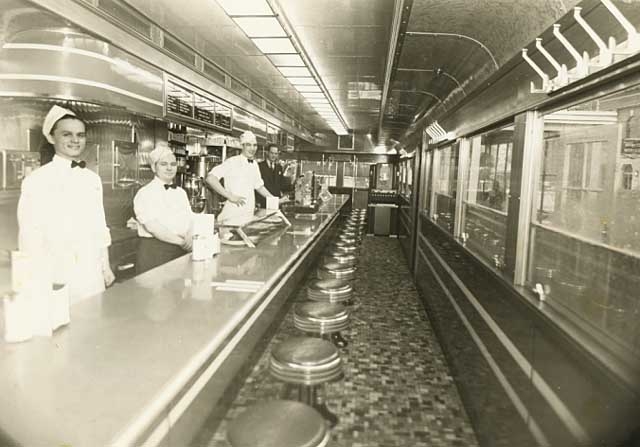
(340, 257)
(321, 318)
(330, 290)
(279, 423)
(348, 247)
(334, 270)
(305, 361)
(347, 239)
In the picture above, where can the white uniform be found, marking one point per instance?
(61, 221)
(240, 178)
(170, 207)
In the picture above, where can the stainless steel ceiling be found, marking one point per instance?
(451, 46)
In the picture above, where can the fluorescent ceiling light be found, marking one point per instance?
(246, 7)
(307, 88)
(301, 81)
(260, 26)
(287, 60)
(313, 95)
(295, 71)
(269, 45)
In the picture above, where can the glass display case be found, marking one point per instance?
(584, 253)
(484, 205)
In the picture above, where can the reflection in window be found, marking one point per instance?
(405, 186)
(445, 185)
(348, 174)
(325, 171)
(484, 210)
(362, 175)
(585, 234)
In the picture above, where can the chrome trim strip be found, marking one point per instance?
(395, 30)
(69, 80)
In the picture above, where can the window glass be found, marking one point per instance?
(426, 204)
(362, 174)
(484, 206)
(325, 171)
(445, 185)
(585, 234)
(348, 174)
(405, 185)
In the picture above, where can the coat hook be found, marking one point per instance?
(606, 56)
(563, 76)
(546, 84)
(633, 39)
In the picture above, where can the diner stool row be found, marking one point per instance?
(306, 363)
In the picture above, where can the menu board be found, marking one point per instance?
(179, 100)
(204, 109)
(223, 116)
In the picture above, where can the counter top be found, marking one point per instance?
(130, 351)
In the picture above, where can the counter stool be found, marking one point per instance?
(307, 363)
(335, 270)
(330, 290)
(340, 257)
(322, 319)
(279, 423)
(347, 247)
(348, 239)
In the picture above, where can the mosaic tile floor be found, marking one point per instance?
(397, 390)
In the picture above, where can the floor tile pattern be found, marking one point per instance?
(397, 389)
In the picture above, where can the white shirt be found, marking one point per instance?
(240, 178)
(170, 207)
(62, 224)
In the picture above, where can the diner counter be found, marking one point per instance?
(135, 357)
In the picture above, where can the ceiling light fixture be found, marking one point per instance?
(274, 37)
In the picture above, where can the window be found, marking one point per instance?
(585, 232)
(325, 171)
(484, 204)
(445, 178)
(362, 175)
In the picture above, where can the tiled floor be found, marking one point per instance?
(397, 390)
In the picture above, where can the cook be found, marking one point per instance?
(241, 178)
(163, 212)
(61, 218)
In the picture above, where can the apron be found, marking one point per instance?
(153, 252)
(233, 214)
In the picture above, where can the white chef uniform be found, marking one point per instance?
(240, 178)
(62, 223)
(170, 207)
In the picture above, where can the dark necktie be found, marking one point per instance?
(250, 161)
(80, 164)
(169, 186)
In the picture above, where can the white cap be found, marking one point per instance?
(158, 153)
(248, 137)
(54, 115)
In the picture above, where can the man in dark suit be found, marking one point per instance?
(272, 174)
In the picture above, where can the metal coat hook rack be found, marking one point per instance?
(609, 52)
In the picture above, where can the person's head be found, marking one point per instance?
(163, 164)
(66, 132)
(272, 153)
(249, 144)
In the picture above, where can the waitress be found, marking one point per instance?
(163, 212)
(242, 177)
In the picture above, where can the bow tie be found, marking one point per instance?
(250, 161)
(82, 164)
(170, 186)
